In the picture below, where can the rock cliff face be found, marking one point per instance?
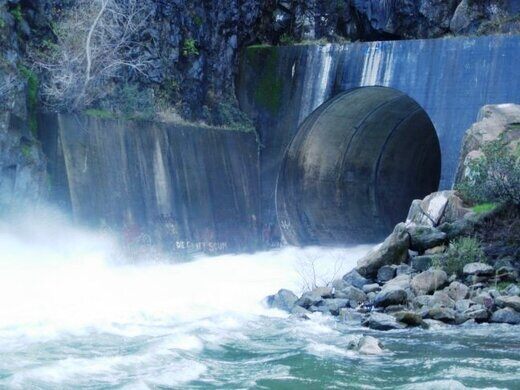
(192, 46)
(23, 178)
(494, 122)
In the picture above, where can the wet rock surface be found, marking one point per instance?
(394, 287)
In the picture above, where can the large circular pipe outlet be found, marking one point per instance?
(354, 166)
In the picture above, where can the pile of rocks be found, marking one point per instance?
(400, 284)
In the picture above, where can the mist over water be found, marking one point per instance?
(74, 312)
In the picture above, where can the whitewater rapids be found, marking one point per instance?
(75, 313)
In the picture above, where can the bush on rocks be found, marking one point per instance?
(462, 251)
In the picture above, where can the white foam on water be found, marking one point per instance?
(59, 282)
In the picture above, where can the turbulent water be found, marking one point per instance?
(75, 314)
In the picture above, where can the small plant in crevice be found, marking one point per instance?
(189, 48)
(462, 251)
(17, 13)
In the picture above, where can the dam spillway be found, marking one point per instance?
(354, 166)
(279, 87)
(187, 184)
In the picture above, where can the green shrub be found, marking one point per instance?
(17, 13)
(189, 48)
(462, 251)
(493, 177)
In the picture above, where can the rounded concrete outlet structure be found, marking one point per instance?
(354, 167)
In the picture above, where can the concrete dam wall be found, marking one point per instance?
(189, 188)
(280, 86)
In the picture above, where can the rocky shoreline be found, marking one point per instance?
(404, 281)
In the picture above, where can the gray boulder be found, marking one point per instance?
(402, 281)
(425, 237)
(444, 314)
(394, 250)
(353, 294)
(508, 301)
(390, 295)
(409, 318)
(478, 269)
(385, 273)
(403, 269)
(381, 321)
(477, 312)
(309, 299)
(428, 281)
(463, 305)
(354, 278)
(506, 316)
(324, 292)
(369, 345)
(429, 211)
(350, 315)
(457, 291)
(283, 300)
(512, 289)
(334, 305)
(439, 298)
(373, 287)
(422, 263)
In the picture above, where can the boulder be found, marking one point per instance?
(369, 345)
(463, 305)
(324, 292)
(512, 289)
(478, 269)
(385, 273)
(409, 318)
(353, 278)
(402, 281)
(444, 314)
(493, 122)
(373, 287)
(477, 312)
(300, 312)
(507, 316)
(439, 298)
(353, 294)
(350, 315)
(283, 300)
(424, 237)
(435, 209)
(334, 305)
(485, 299)
(394, 250)
(457, 291)
(422, 263)
(460, 227)
(508, 301)
(390, 295)
(403, 269)
(428, 281)
(309, 299)
(381, 321)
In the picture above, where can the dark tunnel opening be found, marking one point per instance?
(354, 166)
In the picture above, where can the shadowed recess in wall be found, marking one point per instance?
(354, 166)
